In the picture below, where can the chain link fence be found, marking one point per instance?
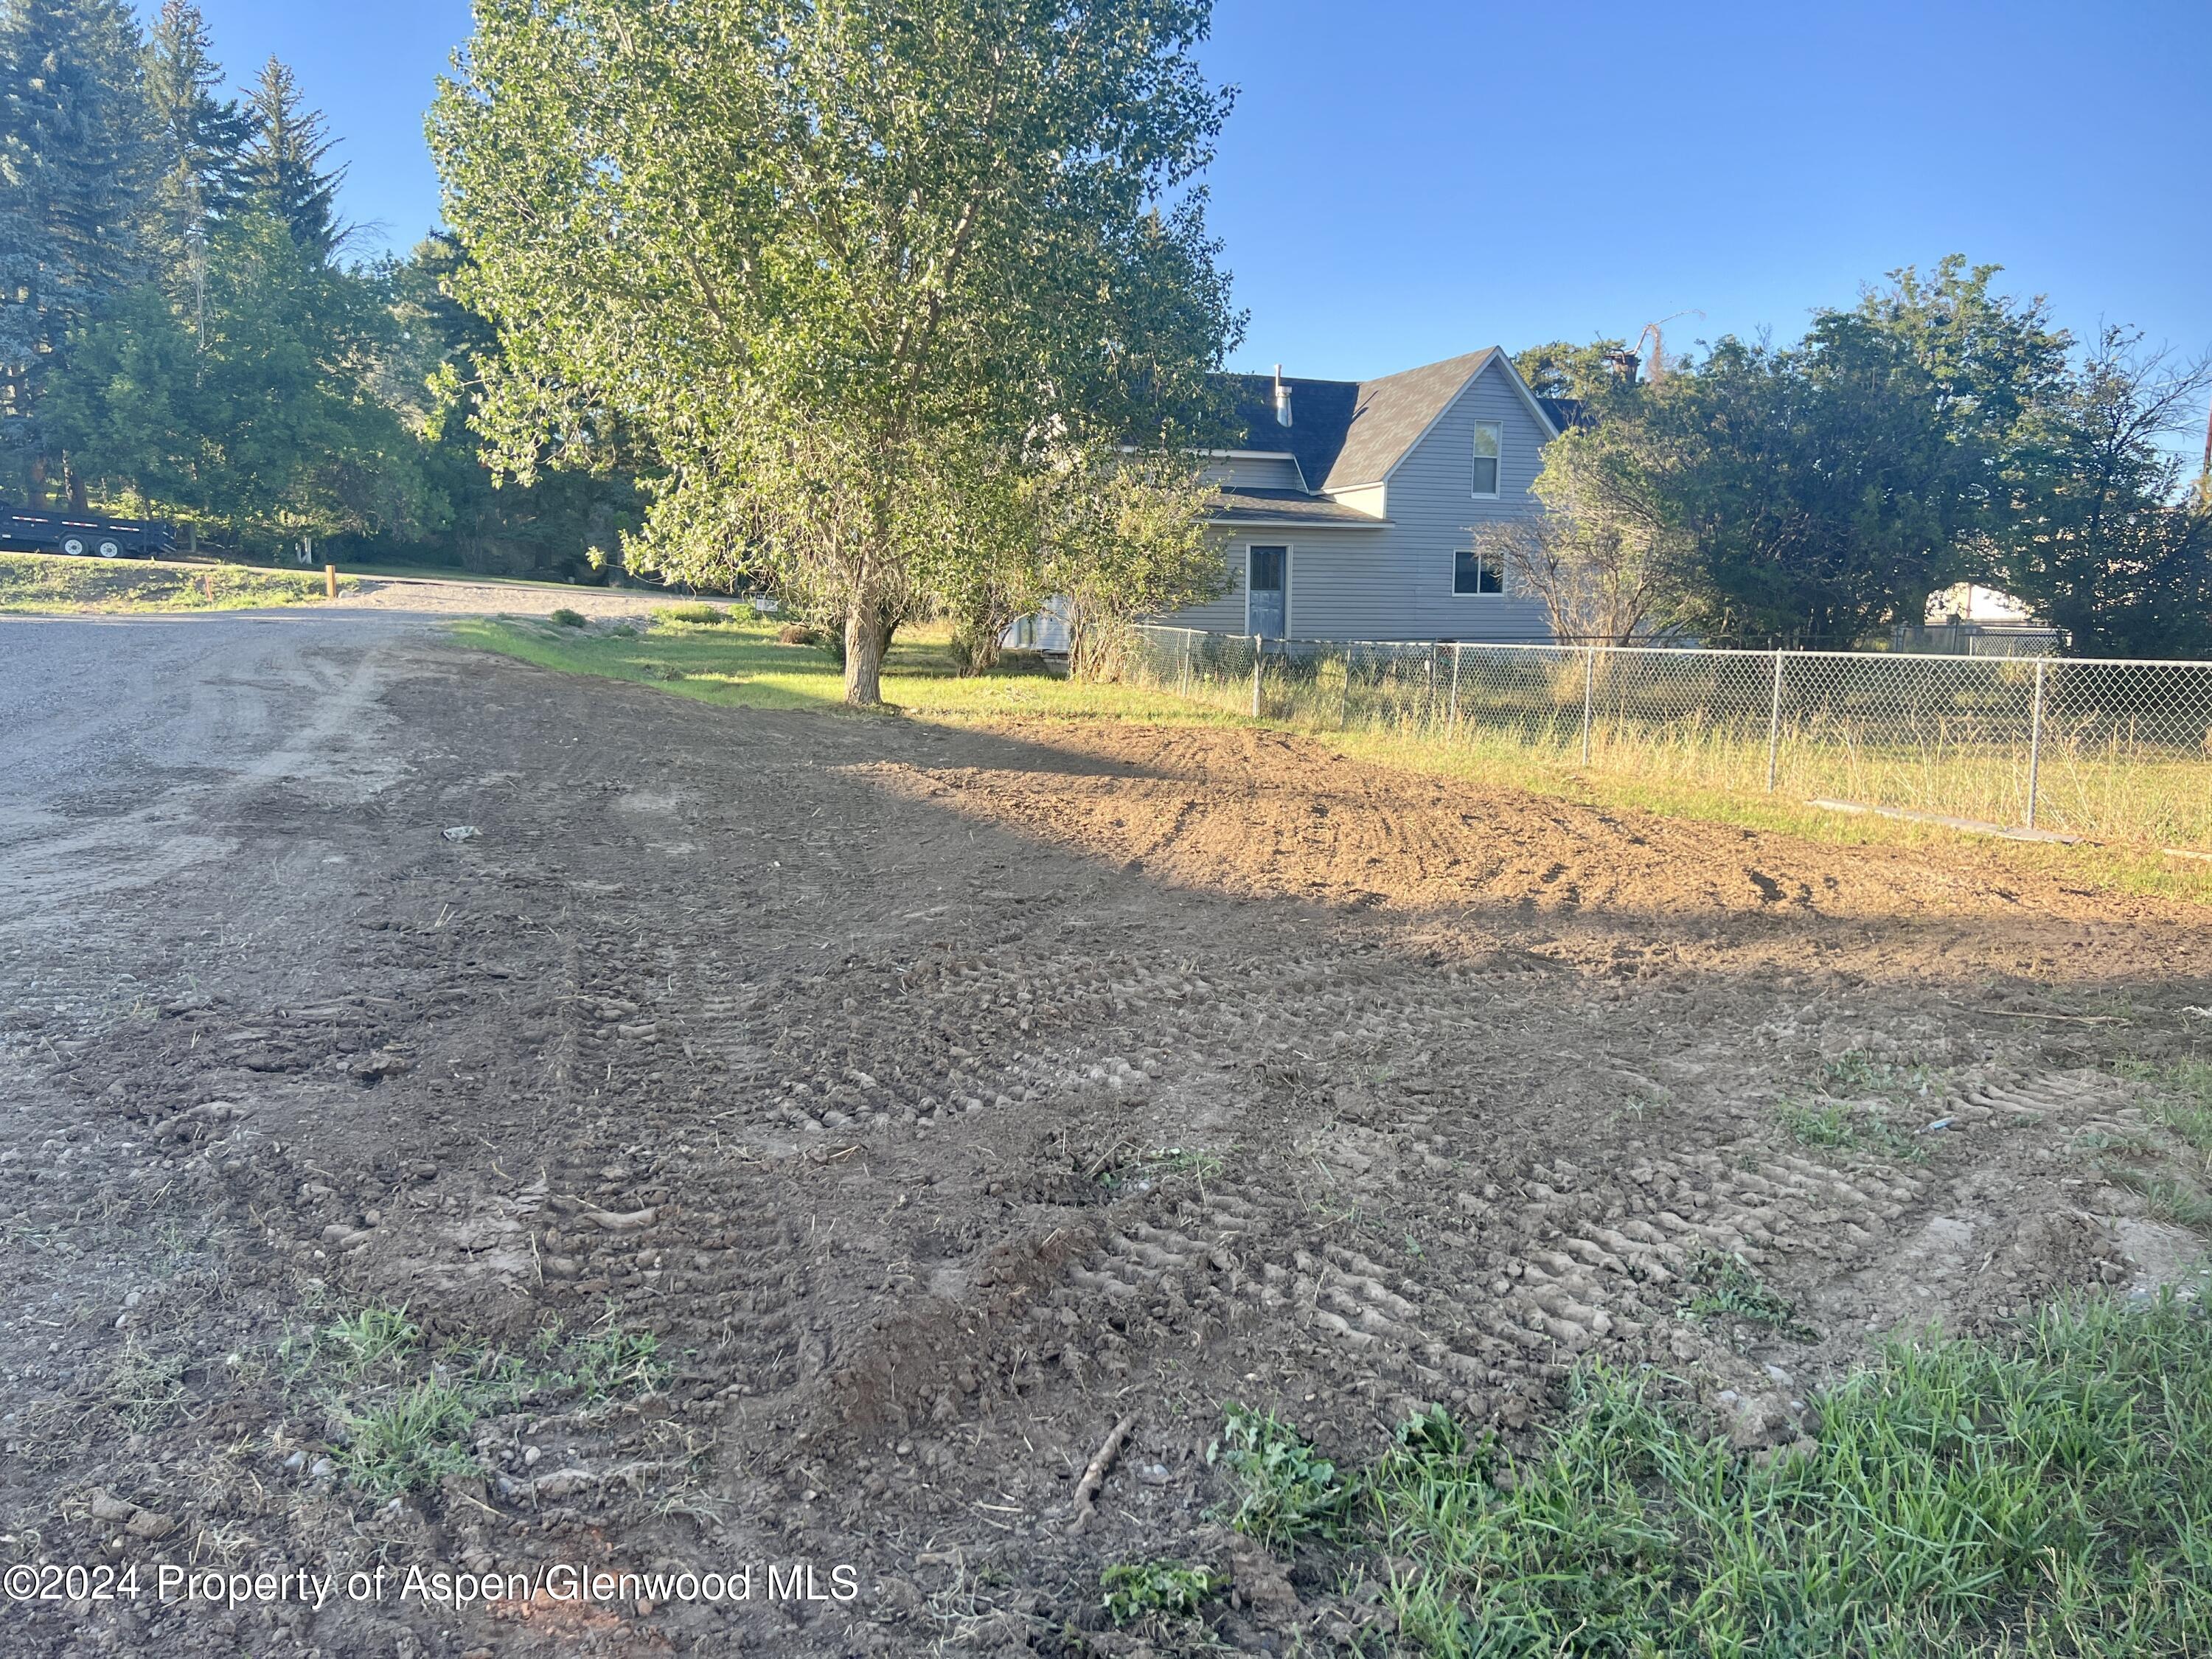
(2109, 749)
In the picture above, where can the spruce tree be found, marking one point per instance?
(199, 138)
(75, 166)
(284, 162)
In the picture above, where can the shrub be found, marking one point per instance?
(798, 633)
(705, 615)
(565, 617)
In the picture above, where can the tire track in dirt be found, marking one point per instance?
(937, 1098)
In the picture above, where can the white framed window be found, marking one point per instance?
(1475, 573)
(1489, 439)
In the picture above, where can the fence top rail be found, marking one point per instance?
(1697, 651)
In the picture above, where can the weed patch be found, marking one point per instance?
(1727, 1289)
(1134, 1590)
(1284, 1489)
(1841, 1126)
(406, 1414)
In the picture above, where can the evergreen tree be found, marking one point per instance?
(199, 139)
(75, 166)
(284, 162)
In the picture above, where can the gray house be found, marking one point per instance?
(1345, 511)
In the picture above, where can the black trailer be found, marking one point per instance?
(83, 536)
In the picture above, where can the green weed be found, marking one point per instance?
(1285, 1490)
(1728, 1290)
(2180, 1097)
(414, 1439)
(564, 618)
(1849, 1128)
(50, 582)
(610, 1362)
(706, 616)
(408, 1412)
(1134, 1590)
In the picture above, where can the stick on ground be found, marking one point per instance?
(1086, 1490)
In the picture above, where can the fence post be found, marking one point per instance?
(1590, 681)
(1257, 657)
(2035, 740)
(1774, 727)
(1189, 640)
(1451, 721)
(1344, 697)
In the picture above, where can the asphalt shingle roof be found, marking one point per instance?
(1348, 432)
(1284, 506)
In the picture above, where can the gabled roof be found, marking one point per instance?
(1321, 411)
(1345, 434)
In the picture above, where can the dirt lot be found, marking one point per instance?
(934, 1099)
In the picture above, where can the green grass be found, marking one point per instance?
(2168, 1196)
(2180, 1099)
(738, 663)
(2173, 1171)
(407, 1413)
(2046, 1493)
(47, 583)
(415, 1437)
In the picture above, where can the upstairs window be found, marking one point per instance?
(1477, 572)
(1486, 439)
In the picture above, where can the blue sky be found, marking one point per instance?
(1401, 182)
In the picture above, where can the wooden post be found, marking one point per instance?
(1451, 719)
(1257, 657)
(330, 581)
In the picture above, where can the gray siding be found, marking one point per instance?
(1395, 583)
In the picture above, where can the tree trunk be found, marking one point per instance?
(867, 639)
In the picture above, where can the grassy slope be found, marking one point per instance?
(742, 665)
(47, 583)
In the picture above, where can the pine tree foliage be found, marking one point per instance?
(75, 168)
(285, 159)
(199, 138)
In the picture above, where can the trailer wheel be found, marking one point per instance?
(110, 549)
(74, 546)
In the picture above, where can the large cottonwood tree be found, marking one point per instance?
(805, 249)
